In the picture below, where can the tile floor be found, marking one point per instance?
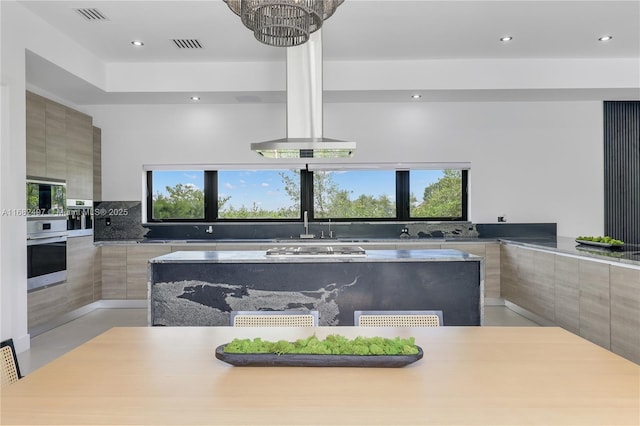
(50, 345)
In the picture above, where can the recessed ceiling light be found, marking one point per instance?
(416, 96)
(137, 43)
(195, 98)
(506, 38)
(605, 38)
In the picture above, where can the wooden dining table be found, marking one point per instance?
(467, 376)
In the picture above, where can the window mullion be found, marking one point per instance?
(306, 193)
(402, 195)
(149, 196)
(210, 196)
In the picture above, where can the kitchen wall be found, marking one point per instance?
(533, 161)
(21, 30)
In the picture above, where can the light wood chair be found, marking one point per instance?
(9, 368)
(398, 318)
(274, 318)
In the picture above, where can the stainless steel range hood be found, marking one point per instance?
(304, 109)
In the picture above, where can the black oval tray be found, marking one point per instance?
(598, 244)
(304, 360)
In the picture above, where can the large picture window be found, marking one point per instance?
(435, 193)
(258, 194)
(177, 195)
(354, 194)
(325, 194)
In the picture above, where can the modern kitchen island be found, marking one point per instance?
(201, 288)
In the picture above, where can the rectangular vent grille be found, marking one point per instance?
(92, 14)
(187, 43)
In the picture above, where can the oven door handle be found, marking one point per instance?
(47, 239)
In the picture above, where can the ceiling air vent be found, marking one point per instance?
(187, 43)
(92, 14)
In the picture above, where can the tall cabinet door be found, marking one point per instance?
(79, 155)
(56, 137)
(36, 139)
(97, 164)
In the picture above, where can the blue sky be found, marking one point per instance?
(266, 187)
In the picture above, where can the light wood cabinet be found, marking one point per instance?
(509, 273)
(625, 312)
(492, 270)
(97, 272)
(525, 283)
(594, 303)
(46, 132)
(137, 267)
(597, 300)
(124, 269)
(567, 293)
(114, 272)
(56, 140)
(59, 145)
(79, 161)
(544, 298)
(97, 164)
(36, 136)
(80, 263)
(46, 304)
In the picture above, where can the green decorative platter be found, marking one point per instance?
(598, 244)
(308, 360)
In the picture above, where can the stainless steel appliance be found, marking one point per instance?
(46, 251)
(317, 251)
(79, 217)
(46, 197)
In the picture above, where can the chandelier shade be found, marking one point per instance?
(283, 23)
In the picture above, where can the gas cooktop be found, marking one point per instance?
(317, 251)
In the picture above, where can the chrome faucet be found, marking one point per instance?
(306, 227)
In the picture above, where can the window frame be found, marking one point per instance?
(149, 203)
(211, 193)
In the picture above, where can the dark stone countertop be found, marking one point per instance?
(629, 254)
(435, 255)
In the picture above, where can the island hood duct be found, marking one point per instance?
(304, 109)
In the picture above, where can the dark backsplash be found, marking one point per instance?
(520, 230)
(121, 220)
(118, 220)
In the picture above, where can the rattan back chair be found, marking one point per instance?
(9, 368)
(274, 318)
(398, 318)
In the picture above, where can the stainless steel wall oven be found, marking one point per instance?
(46, 233)
(46, 252)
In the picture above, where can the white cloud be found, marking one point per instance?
(227, 185)
(264, 184)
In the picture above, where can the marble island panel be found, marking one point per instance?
(198, 288)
